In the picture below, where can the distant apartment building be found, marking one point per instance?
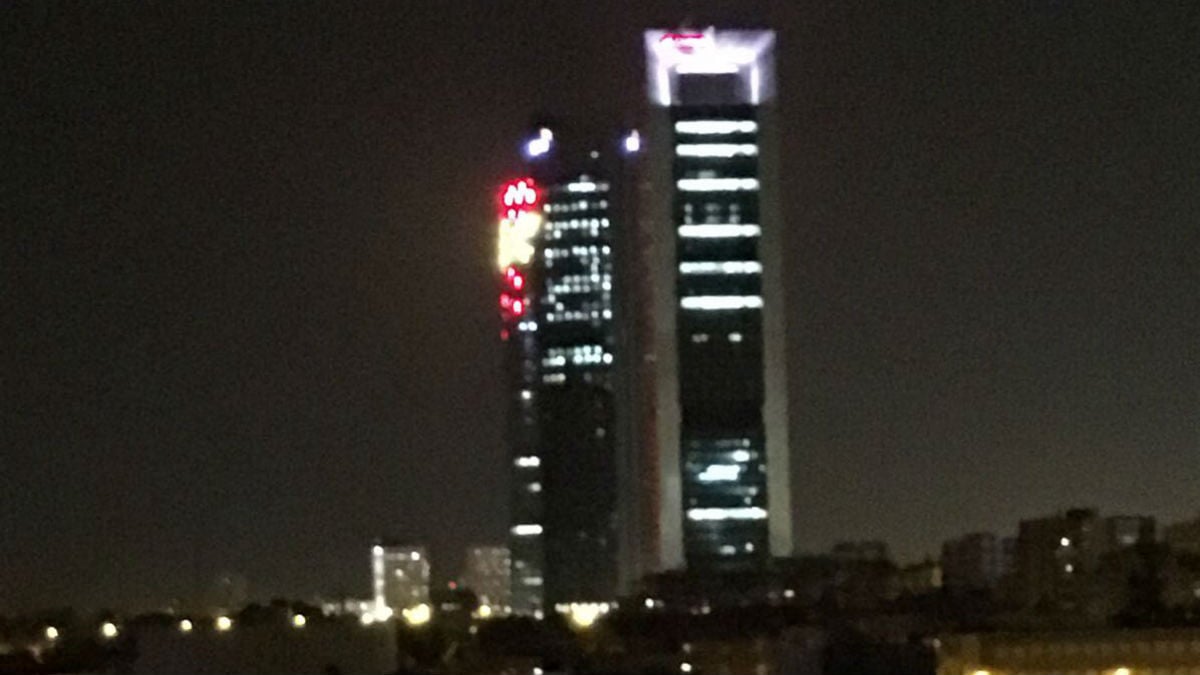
(399, 575)
(861, 551)
(1184, 537)
(976, 561)
(488, 573)
(920, 578)
(1061, 560)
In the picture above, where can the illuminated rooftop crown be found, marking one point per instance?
(744, 57)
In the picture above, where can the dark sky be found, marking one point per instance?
(249, 314)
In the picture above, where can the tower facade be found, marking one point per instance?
(557, 304)
(710, 216)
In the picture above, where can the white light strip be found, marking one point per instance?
(586, 186)
(528, 461)
(716, 184)
(718, 231)
(527, 530)
(719, 302)
(716, 150)
(740, 513)
(716, 126)
(724, 267)
(715, 473)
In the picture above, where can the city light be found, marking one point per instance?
(51, 633)
(417, 616)
(633, 142)
(726, 267)
(1065, 542)
(719, 231)
(185, 626)
(224, 624)
(719, 472)
(584, 614)
(582, 186)
(540, 144)
(725, 150)
(717, 184)
(740, 455)
(528, 462)
(685, 667)
(484, 612)
(720, 302)
(1121, 671)
(736, 513)
(299, 620)
(715, 127)
(108, 630)
(527, 530)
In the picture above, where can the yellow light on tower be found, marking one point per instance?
(417, 616)
(516, 239)
(51, 633)
(185, 626)
(299, 620)
(108, 630)
(484, 612)
(224, 623)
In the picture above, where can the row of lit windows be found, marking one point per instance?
(730, 549)
(709, 303)
(577, 315)
(578, 205)
(578, 283)
(576, 251)
(702, 338)
(577, 224)
(558, 357)
(713, 212)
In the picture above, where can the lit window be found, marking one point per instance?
(738, 513)
(719, 472)
(726, 267)
(715, 127)
(527, 530)
(528, 461)
(716, 150)
(720, 302)
(719, 231)
(735, 337)
(716, 184)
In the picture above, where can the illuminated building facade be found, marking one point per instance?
(488, 572)
(520, 216)
(561, 341)
(715, 243)
(400, 577)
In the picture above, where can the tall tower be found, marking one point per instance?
(558, 304)
(715, 266)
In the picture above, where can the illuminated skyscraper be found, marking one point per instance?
(558, 307)
(715, 259)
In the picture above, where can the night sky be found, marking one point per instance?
(249, 311)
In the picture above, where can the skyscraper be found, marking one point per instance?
(715, 268)
(558, 308)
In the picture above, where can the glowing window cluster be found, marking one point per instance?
(579, 355)
(585, 185)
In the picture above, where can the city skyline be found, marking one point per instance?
(256, 320)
